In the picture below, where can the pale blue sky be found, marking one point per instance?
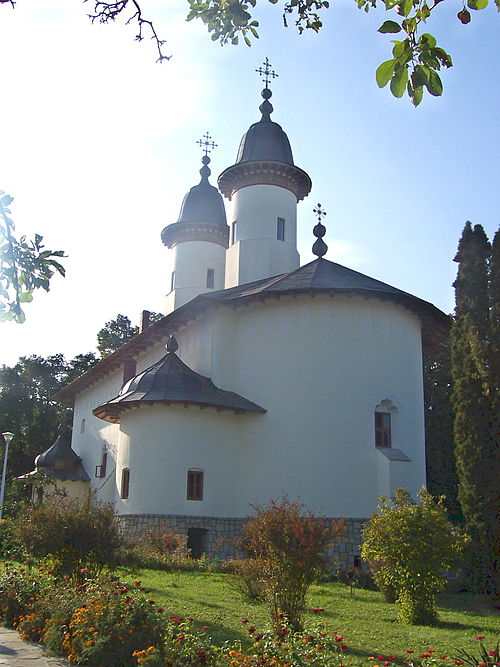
(98, 149)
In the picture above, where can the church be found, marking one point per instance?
(265, 378)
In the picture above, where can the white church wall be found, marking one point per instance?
(255, 251)
(320, 366)
(159, 444)
(192, 260)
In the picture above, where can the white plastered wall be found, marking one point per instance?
(256, 252)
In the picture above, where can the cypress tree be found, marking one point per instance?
(472, 402)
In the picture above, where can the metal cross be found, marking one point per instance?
(319, 212)
(206, 143)
(267, 72)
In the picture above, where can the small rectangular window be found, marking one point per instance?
(280, 229)
(195, 485)
(210, 278)
(233, 232)
(382, 429)
(125, 483)
(172, 281)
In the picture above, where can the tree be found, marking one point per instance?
(474, 398)
(441, 470)
(416, 58)
(26, 408)
(119, 331)
(24, 266)
(412, 543)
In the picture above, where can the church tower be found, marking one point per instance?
(199, 238)
(264, 187)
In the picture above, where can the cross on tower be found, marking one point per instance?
(206, 143)
(267, 72)
(319, 212)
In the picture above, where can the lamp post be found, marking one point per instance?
(7, 438)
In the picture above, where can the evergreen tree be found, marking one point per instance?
(471, 399)
(441, 470)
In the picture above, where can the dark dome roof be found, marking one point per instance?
(61, 462)
(203, 203)
(265, 140)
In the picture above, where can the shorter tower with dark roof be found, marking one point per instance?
(264, 186)
(199, 238)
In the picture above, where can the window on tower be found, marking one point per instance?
(195, 485)
(172, 281)
(210, 278)
(280, 229)
(382, 429)
(125, 483)
(233, 231)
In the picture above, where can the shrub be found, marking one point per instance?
(411, 545)
(157, 550)
(289, 545)
(18, 589)
(246, 578)
(72, 534)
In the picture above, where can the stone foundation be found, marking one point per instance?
(219, 533)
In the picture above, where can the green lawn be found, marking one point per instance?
(365, 621)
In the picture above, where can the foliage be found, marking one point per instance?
(26, 408)
(24, 266)
(486, 658)
(414, 544)
(474, 397)
(72, 534)
(290, 546)
(356, 577)
(246, 579)
(18, 588)
(157, 550)
(416, 58)
(119, 331)
(441, 470)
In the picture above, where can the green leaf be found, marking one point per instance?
(399, 81)
(26, 297)
(389, 26)
(428, 39)
(477, 4)
(416, 95)
(384, 72)
(434, 85)
(418, 77)
(405, 7)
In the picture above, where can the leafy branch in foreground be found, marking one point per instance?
(24, 266)
(416, 59)
(104, 12)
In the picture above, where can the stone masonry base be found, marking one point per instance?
(219, 533)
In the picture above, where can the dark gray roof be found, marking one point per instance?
(265, 140)
(321, 275)
(170, 380)
(318, 276)
(61, 462)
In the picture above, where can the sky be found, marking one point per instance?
(98, 147)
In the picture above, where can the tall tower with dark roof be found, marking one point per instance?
(264, 187)
(199, 238)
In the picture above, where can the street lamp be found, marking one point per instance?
(7, 438)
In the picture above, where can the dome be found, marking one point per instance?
(265, 140)
(203, 203)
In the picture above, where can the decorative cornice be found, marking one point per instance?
(264, 172)
(179, 232)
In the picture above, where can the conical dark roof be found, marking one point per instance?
(168, 381)
(202, 216)
(265, 140)
(61, 462)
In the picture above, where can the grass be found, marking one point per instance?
(365, 621)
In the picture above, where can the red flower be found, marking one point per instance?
(459, 662)
(443, 657)
(338, 639)
(410, 651)
(381, 657)
(483, 664)
(393, 657)
(344, 647)
(257, 638)
(386, 663)
(251, 629)
(492, 653)
(137, 583)
(479, 637)
(160, 610)
(245, 620)
(317, 610)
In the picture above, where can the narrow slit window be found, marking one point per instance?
(382, 429)
(280, 229)
(233, 232)
(125, 483)
(172, 281)
(195, 485)
(210, 278)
